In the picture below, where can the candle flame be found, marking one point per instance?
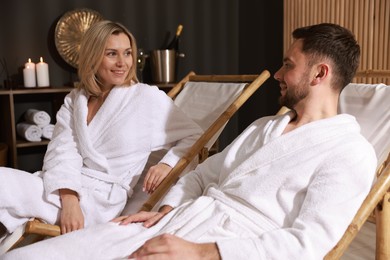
(29, 60)
(41, 59)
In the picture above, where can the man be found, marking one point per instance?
(286, 188)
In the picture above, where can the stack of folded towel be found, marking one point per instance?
(36, 125)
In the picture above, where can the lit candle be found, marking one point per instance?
(29, 74)
(42, 74)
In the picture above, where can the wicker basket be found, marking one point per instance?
(3, 154)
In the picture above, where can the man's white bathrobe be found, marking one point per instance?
(266, 196)
(102, 160)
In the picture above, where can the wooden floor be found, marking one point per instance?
(363, 246)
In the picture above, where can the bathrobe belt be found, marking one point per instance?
(123, 181)
(259, 220)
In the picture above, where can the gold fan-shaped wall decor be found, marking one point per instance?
(69, 31)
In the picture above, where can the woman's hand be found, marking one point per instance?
(155, 176)
(71, 217)
(147, 218)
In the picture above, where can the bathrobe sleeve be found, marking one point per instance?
(63, 162)
(193, 184)
(208, 173)
(332, 197)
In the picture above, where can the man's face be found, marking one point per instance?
(293, 76)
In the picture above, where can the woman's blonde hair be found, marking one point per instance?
(91, 54)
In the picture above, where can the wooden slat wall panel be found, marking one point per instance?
(369, 20)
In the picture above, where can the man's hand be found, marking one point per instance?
(72, 217)
(148, 218)
(171, 247)
(155, 175)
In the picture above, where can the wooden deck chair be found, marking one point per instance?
(210, 100)
(214, 127)
(369, 103)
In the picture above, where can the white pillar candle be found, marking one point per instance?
(29, 74)
(42, 74)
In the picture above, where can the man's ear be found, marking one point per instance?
(321, 73)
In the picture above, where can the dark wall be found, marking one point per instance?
(209, 39)
(260, 47)
(219, 37)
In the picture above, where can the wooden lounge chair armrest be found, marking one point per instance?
(38, 227)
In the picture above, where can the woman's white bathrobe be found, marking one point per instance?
(101, 161)
(266, 196)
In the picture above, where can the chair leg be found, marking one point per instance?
(383, 229)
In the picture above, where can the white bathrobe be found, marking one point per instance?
(101, 161)
(266, 196)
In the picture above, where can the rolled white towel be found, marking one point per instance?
(47, 131)
(38, 117)
(30, 132)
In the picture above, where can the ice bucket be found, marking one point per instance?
(163, 66)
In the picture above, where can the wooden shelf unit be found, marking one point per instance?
(11, 99)
(13, 104)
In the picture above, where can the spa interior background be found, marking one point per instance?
(219, 37)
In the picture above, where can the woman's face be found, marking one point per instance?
(117, 61)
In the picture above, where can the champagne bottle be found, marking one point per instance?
(174, 44)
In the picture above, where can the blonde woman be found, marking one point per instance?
(105, 131)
